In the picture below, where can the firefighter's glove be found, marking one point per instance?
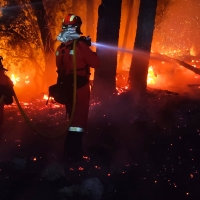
(87, 40)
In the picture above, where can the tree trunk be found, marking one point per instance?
(128, 21)
(47, 41)
(90, 18)
(142, 47)
(109, 14)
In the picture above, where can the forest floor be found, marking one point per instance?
(150, 151)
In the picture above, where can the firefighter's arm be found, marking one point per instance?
(90, 57)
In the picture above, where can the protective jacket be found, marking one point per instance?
(4, 81)
(85, 58)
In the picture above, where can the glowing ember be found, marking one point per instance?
(26, 79)
(121, 89)
(45, 97)
(80, 168)
(86, 158)
(34, 159)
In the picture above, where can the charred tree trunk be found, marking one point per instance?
(128, 21)
(109, 15)
(47, 41)
(142, 47)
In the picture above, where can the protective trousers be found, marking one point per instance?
(73, 146)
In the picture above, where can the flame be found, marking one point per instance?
(163, 71)
(151, 78)
(45, 97)
(15, 79)
(156, 77)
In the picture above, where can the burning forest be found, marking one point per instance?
(132, 150)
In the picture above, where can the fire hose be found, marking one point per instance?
(73, 107)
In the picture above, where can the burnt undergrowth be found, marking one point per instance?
(144, 151)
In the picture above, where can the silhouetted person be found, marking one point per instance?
(6, 92)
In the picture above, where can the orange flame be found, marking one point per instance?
(45, 97)
(15, 79)
(151, 79)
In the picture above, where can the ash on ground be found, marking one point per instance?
(148, 151)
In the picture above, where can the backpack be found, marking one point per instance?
(62, 92)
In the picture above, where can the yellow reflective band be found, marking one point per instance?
(57, 53)
(71, 52)
(76, 129)
(71, 18)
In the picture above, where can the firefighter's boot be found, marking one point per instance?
(73, 146)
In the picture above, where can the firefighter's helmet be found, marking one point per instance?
(72, 20)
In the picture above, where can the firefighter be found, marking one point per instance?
(6, 91)
(85, 58)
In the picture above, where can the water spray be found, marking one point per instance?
(153, 55)
(136, 52)
(114, 48)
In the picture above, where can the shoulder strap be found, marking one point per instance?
(70, 46)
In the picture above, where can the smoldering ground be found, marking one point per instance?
(129, 147)
(132, 148)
